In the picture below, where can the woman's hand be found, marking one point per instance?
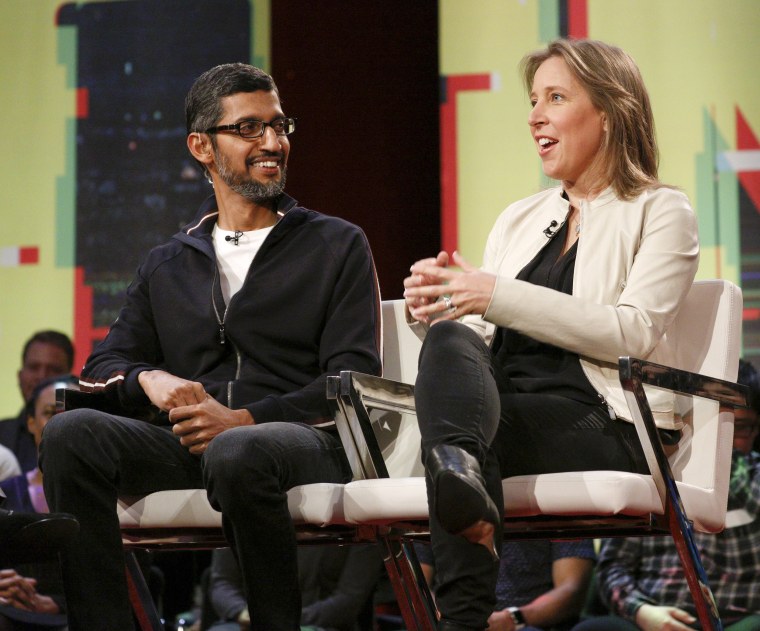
(418, 279)
(469, 290)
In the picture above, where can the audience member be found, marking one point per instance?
(641, 578)
(337, 583)
(45, 354)
(31, 595)
(541, 586)
(229, 332)
(24, 492)
(749, 376)
(573, 277)
(9, 466)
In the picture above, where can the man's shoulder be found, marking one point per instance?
(160, 254)
(323, 220)
(329, 227)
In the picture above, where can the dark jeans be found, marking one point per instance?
(90, 458)
(464, 399)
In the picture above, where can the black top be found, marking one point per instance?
(535, 366)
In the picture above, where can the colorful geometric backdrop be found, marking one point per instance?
(74, 161)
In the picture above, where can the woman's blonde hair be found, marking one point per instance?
(610, 76)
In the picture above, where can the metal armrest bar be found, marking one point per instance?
(726, 393)
(634, 373)
(351, 395)
(72, 399)
(392, 395)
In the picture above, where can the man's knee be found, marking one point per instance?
(68, 432)
(74, 423)
(255, 452)
(231, 451)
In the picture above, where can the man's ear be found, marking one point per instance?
(200, 147)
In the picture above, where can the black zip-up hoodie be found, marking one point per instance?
(309, 308)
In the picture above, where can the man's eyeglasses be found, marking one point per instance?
(253, 128)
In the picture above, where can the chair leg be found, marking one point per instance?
(140, 598)
(680, 528)
(409, 585)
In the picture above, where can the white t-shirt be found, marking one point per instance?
(234, 260)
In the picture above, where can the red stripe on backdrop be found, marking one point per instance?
(577, 19)
(746, 139)
(29, 255)
(449, 207)
(83, 103)
(84, 333)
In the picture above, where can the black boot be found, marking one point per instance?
(462, 504)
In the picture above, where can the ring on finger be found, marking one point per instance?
(447, 302)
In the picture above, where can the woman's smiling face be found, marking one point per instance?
(567, 128)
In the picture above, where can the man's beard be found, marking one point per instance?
(247, 187)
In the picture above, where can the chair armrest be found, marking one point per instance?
(350, 395)
(727, 393)
(634, 374)
(72, 399)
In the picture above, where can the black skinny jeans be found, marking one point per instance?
(464, 399)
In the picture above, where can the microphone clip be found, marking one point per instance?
(551, 229)
(236, 237)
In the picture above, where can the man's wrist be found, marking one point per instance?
(245, 417)
(517, 617)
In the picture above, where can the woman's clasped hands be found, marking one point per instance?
(434, 291)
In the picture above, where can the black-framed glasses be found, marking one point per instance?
(252, 128)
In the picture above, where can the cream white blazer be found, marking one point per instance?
(635, 262)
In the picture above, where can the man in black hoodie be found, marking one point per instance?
(226, 339)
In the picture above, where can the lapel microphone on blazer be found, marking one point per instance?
(549, 231)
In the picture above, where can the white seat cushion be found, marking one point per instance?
(599, 493)
(385, 500)
(317, 504)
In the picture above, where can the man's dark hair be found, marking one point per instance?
(55, 338)
(203, 104)
(748, 377)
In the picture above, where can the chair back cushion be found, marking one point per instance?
(706, 336)
(401, 346)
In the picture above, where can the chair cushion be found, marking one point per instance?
(317, 504)
(601, 493)
(581, 493)
(184, 508)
